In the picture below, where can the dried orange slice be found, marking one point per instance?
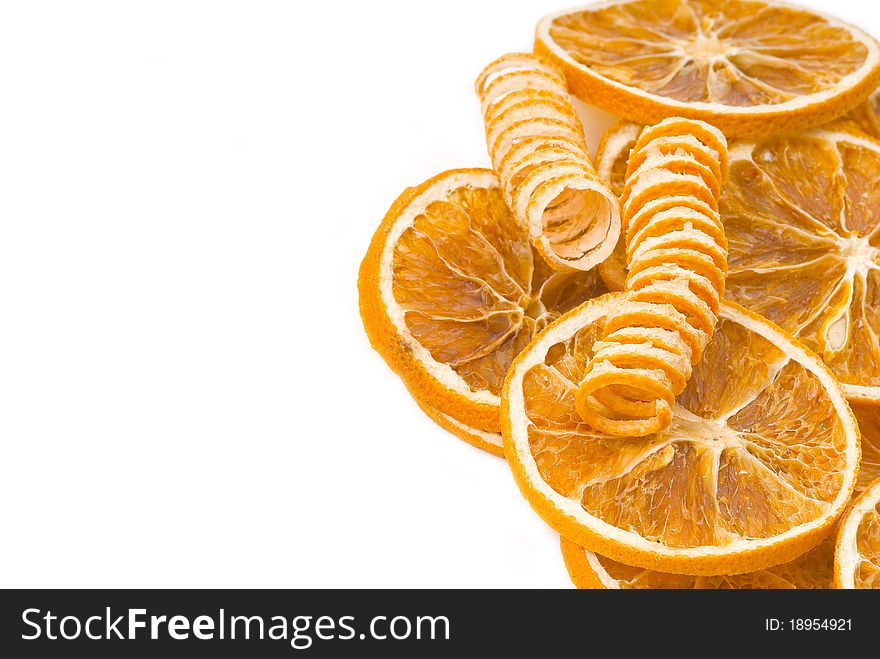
(757, 465)
(857, 553)
(488, 441)
(451, 290)
(802, 215)
(749, 67)
(867, 115)
(812, 570)
(591, 571)
(537, 146)
(611, 163)
(802, 218)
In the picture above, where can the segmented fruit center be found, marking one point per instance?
(736, 53)
(472, 289)
(860, 255)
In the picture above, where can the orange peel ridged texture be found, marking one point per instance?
(537, 146)
(857, 550)
(755, 468)
(677, 258)
(812, 570)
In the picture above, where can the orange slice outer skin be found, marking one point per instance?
(627, 100)
(570, 519)
(866, 117)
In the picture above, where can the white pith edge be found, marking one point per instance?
(587, 314)
(439, 190)
(846, 554)
(492, 438)
(606, 579)
(871, 60)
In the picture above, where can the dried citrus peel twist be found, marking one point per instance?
(537, 146)
(677, 258)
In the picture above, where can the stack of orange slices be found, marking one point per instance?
(487, 292)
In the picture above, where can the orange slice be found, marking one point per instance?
(746, 66)
(611, 166)
(757, 465)
(867, 115)
(592, 571)
(802, 218)
(676, 270)
(857, 553)
(488, 441)
(537, 146)
(451, 290)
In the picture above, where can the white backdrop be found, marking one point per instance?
(187, 397)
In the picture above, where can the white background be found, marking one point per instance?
(187, 397)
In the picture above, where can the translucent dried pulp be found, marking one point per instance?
(588, 570)
(857, 553)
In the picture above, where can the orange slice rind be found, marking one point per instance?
(857, 551)
(451, 290)
(800, 212)
(866, 116)
(536, 143)
(756, 467)
(482, 439)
